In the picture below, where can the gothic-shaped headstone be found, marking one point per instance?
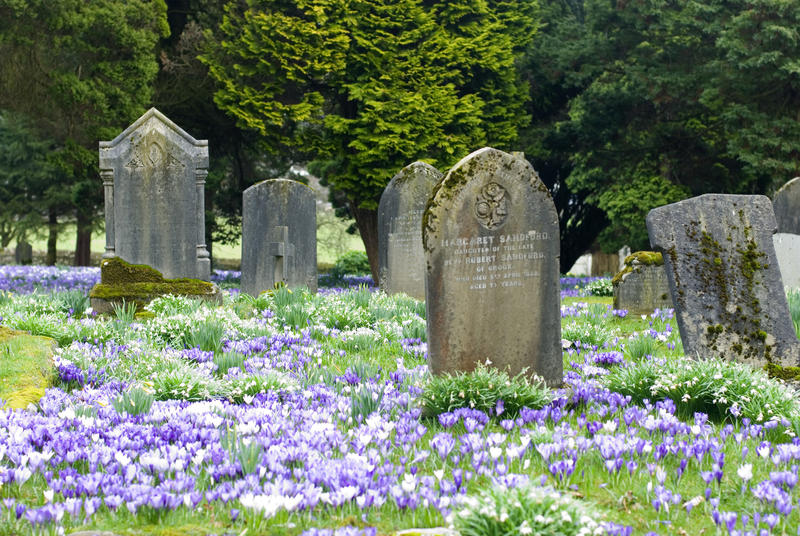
(490, 235)
(724, 278)
(786, 205)
(400, 255)
(154, 177)
(279, 236)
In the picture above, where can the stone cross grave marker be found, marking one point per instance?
(786, 205)
(401, 259)
(154, 176)
(490, 234)
(724, 278)
(279, 236)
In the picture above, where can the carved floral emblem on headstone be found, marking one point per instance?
(490, 206)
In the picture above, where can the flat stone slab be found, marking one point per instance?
(641, 286)
(401, 258)
(490, 234)
(140, 284)
(724, 278)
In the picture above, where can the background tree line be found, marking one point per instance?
(620, 105)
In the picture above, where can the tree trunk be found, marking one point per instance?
(83, 241)
(367, 222)
(52, 237)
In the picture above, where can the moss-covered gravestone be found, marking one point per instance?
(279, 236)
(154, 177)
(140, 284)
(401, 259)
(490, 234)
(724, 278)
(641, 286)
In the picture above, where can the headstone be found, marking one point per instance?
(724, 278)
(400, 255)
(787, 249)
(623, 253)
(641, 286)
(582, 266)
(23, 253)
(786, 205)
(154, 177)
(279, 236)
(490, 234)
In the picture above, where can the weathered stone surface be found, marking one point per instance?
(23, 253)
(623, 254)
(140, 284)
(154, 177)
(786, 205)
(400, 255)
(724, 278)
(641, 286)
(787, 250)
(490, 234)
(279, 236)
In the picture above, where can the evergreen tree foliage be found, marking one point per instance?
(365, 87)
(80, 72)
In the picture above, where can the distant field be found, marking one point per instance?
(332, 242)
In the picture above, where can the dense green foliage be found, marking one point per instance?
(367, 87)
(79, 72)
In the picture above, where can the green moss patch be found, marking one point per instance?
(26, 368)
(115, 271)
(645, 258)
(782, 373)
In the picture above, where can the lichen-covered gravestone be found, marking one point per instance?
(154, 177)
(724, 278)
(787, 249)
(400, 255)
(641, 286)
(279, 236)
(786, 205)
(490, 234)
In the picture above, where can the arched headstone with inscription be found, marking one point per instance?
(724, 278)
(279, 236)
(400, 255)
(491, 243)
(154, 176)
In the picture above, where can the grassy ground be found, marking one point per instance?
(26, 367)
(332, 241)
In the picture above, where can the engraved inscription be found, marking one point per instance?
(491, 206)
(499, 261)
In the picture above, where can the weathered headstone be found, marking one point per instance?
(23, 253)
(490, 234)
(279, 236)
(154, 177)
(786, 205)
(787, 249)
(641, 286)
(724, 278)
(400, 255)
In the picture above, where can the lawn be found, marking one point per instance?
(297, 413)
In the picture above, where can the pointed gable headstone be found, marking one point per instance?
(154, 176)
(724, 278)
(401, 259)
(279, 236)
(491, 242)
